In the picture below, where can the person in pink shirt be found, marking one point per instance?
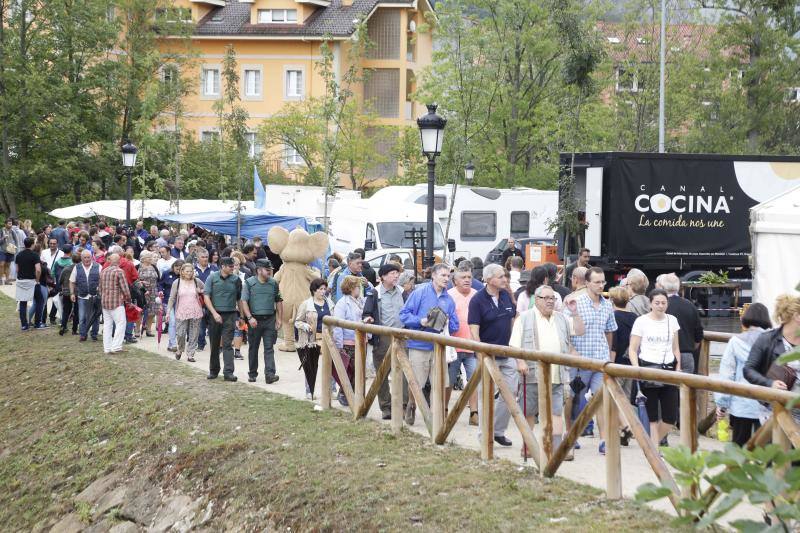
(462, 292)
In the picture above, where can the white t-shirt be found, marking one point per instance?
(657, 335)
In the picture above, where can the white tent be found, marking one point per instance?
(775, 234)
(115, 209)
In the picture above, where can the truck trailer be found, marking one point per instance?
(682, 213)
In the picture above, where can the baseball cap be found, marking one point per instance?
(264, 263)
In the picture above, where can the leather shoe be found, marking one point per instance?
(212, 376)
(251, 379)
(230, 378)
(503, 441)
(271, 379)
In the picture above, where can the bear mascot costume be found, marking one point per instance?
(296, 249)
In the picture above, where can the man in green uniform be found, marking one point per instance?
(262, 307)
(222, 292)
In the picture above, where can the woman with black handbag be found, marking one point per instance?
(654, 344)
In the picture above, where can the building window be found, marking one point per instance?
(291, 157)
(294, 84)
(254, 146)
(111, 13)
(383, 29)
(276, 16)
(520, 223)
(210, 81)
(382, 92)
(252, 82)
(478, 225)
(793, 95)
(627, 81)
(209, 136)
(168, 74)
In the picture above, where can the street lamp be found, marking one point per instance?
(469, 173)
(129, 161)
(431, 131)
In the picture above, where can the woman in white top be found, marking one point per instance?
(654, 344)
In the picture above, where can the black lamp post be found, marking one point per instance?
(129, 161)
(431, 130)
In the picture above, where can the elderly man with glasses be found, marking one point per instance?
(542, 328)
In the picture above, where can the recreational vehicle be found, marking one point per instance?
(481, 216)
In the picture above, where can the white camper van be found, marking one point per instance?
(482, 216)
(383, 223)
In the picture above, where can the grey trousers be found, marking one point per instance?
(186, 331)
(508, 367)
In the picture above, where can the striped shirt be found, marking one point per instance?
(598, 321)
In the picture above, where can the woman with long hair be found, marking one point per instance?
(654, 344)
(184, 304)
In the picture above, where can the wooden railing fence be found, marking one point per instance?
(611, 398)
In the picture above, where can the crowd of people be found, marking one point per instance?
(200, 291)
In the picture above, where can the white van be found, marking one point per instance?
(377, 225)
(482, 216)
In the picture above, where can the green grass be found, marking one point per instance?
(69, 414)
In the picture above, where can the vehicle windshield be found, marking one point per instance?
(393, 234)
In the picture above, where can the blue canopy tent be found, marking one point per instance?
(224, 222)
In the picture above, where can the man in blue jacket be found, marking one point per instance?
(414, 316)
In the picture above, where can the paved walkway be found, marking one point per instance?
(588, 466)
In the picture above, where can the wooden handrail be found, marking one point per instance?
(755, 392)
(717, 336)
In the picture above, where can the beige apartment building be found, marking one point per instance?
(277, 43)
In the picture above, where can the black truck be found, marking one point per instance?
(683, 213)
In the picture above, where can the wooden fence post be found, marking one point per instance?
(437, 390)
(325, 376)
(689, 417)
(702, 370)
(360, 371)
(613, 463)
(396, 386)
(545, 400)
(487, 410)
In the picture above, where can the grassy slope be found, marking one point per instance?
(70, 414)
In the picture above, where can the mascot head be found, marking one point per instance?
(297, 246)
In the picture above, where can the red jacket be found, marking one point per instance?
(131, 274)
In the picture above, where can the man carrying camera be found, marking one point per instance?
(429, 308)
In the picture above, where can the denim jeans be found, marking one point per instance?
(470, 362)
(85, 314)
